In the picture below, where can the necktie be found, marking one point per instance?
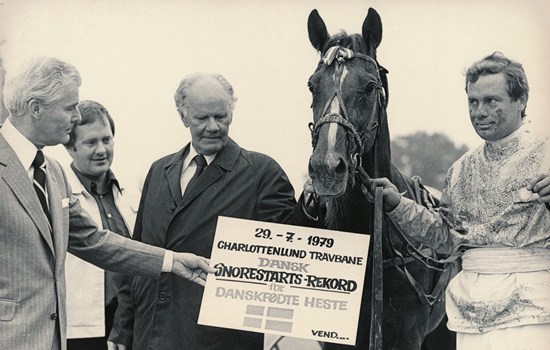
(39, 181)
(201, 164)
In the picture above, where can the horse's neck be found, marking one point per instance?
(377, 160)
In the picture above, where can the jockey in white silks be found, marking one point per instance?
(494, 216)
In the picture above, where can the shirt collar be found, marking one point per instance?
(23, 148)
(504, 142)
(89, 184)
(192, 153)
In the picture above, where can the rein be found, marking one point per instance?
(400, 261)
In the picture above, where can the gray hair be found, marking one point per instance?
(183, 90)
(41, 79)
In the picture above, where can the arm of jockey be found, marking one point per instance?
(429, 227)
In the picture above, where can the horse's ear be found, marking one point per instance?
(317, 30)
(372, 31)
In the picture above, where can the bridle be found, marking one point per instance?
(359, 142)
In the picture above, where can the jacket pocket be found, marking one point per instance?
(7, 309)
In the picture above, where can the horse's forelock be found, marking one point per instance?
(334, 40)
(353, 42)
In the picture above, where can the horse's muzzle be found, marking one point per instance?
(329, 174)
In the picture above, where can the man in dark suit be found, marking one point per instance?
(179, 211)
(40, 219)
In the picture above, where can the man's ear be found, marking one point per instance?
(183, 119)
(35, 107)
(522, 102)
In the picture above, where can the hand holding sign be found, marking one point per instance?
(192, 267)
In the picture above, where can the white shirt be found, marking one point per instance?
(189, 167)
(25, 151)
(23, 148)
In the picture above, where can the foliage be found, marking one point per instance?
(426, 155)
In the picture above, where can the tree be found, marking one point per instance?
(425, 155)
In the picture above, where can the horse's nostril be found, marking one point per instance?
(310, 170)
(341, 168)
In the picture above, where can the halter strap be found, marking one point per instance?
(359, 142)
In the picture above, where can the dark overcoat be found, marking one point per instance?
(238, 183)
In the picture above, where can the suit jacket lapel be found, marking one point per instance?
(18, 180)
(210, 175)
(173, 174)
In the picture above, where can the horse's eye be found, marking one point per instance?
(369, 89)
(310, 86)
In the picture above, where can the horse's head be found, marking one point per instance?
(349, 102)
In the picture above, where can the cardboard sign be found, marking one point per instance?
(286, 280)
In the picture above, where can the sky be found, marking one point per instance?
(132, 54)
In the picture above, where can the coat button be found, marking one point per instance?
(172, 210)
(53, 316)
(163, 296)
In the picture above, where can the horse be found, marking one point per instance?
(350, 137)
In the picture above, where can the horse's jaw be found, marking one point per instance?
(345, 212)
(328, 187)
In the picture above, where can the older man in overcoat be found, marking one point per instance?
(180, 213)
